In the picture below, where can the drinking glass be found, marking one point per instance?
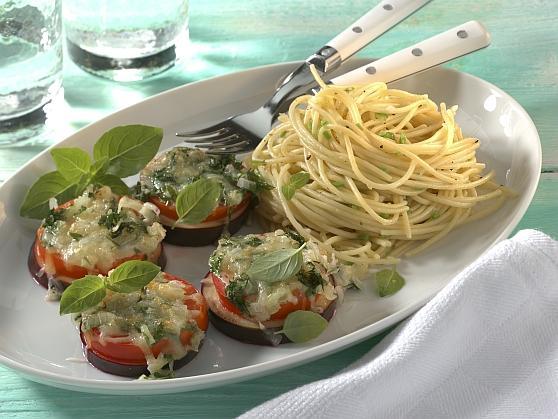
(126, 40)
(30, 65)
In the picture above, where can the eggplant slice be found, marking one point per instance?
(127, 370)
(203, 236)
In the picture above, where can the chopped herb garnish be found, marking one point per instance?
(283, 134)
(260, 184)
(110, 219)
(381, 116)
(215, 261)
(327, 135)
(296, 181)
(387, 134)
(435, 215)
(76, 236)
(253, 241)
(113, 219)
(295, 236)
(235, 291)
(402, 138)
(54, 215)
(163, 175)
(311, 278)
(338, 183)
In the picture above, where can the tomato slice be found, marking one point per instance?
(169, 210)
(286, 308)
(222, 293)
(126, 352)
(68, 270)
(302, 303)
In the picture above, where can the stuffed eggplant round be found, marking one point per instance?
(93, 234)
(251, 303)
(153, 331)
(184, 174)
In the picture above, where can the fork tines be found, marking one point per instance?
(216, 142)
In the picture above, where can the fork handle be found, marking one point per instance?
(456, 42)
(377, 21)
(367, 28)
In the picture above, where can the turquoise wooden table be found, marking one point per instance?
(232, 35)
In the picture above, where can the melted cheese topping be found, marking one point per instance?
(85, 237)
(145, 317)
(178, 167)
(234, 256)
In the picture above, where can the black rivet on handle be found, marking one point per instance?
(417, 52)
(357, 29)
(371, 70)
(462, 34)
(388, 7)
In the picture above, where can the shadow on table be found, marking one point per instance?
(226, 401)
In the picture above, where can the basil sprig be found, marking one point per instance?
(197, 200)
(301, 326)
(296, 181)
(120, 152)
(90, 290)
(128, 148)
(389, 281)
(276, 266)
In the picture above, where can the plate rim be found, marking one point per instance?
(196, 382)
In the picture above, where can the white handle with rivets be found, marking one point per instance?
(373, 24)
(456, 42)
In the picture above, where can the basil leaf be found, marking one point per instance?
(197, 200)
(389, 282)
(277, 265)
(99, 167)
(301, 326)
(71, 162)
(114, 182)
(132, 276)
(128, 148)
(50, 185)
(297, 181)
(82, 294)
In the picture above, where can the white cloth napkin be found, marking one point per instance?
(485, 347)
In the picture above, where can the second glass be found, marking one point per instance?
(126, 40)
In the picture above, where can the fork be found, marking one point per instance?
(242, 133)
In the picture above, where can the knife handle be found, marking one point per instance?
(380, 19)
(454, 43)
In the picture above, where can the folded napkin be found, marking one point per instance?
(485, 347)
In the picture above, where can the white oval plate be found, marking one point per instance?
(45, 347)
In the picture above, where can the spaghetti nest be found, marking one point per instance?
(371, 174)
